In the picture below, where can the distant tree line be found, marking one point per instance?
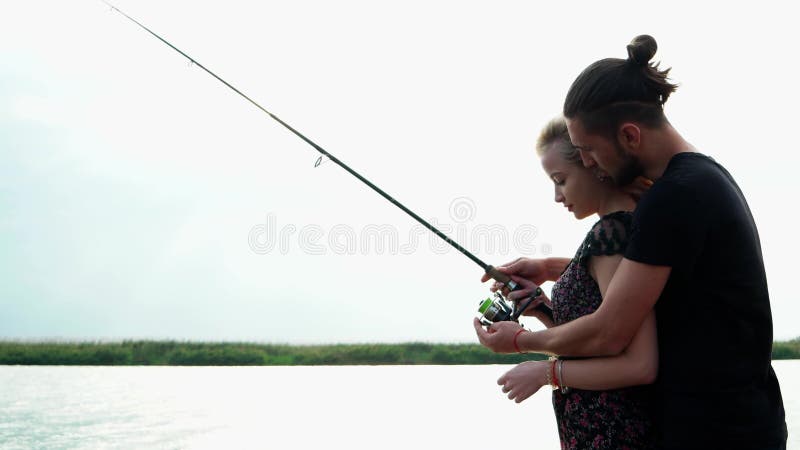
(176, 353)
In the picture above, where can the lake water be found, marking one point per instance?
(355, 407)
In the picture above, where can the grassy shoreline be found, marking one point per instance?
(177, 353)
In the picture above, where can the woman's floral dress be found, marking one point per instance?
(613, 419)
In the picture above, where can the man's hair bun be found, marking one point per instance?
(641, 50)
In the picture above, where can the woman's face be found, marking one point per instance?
(576, 187)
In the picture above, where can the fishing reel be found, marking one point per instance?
(501, 309)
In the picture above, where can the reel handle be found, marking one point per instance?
(513, 286)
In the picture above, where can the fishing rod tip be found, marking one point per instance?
(110, 6)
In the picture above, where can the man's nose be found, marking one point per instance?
(587, 160)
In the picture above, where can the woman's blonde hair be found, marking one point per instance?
(554, 135)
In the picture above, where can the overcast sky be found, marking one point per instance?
(140, 198)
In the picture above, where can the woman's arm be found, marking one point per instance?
(555, 267)
(537, 270)
(638, 364)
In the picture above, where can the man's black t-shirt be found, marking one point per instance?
(716, 387)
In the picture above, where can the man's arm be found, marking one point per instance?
(631, 295)
(637, 364)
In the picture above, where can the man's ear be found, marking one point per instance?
(629, 136)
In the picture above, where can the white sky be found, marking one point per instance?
(131, 182)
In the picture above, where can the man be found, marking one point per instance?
(694, 255)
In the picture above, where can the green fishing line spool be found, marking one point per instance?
(494, 310)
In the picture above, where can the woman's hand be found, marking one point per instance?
(523, 294)
(500, 336)
(524, 380)
(638, 187)
(535, 270)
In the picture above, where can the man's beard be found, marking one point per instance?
(628, 171)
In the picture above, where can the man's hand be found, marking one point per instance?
(499, 338)
(524, 380)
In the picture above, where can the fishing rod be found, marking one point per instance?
(503, 311)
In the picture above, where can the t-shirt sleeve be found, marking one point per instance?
(669, 227)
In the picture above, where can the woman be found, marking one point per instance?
(594, 404)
